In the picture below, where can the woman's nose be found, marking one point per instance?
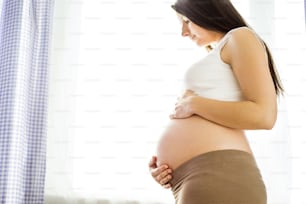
(185, 30)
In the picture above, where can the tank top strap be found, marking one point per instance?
(225, 38)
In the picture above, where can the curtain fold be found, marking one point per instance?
(24, 46)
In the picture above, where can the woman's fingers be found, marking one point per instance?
(165, 180)
(158, 172)
(168, 185)
(161, 174)
(164, 177)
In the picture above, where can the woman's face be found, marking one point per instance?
(201, 36)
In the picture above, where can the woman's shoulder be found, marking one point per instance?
(243, 29)
(242, 41)
(239, 35)
(244, 35)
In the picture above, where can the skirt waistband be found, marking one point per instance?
(219, 158)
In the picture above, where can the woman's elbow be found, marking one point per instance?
(268, 125)
(268, 120)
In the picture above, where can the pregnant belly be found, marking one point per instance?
(183, 139)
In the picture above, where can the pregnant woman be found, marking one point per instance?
(203, 154)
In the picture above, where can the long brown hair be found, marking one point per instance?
(221, 16)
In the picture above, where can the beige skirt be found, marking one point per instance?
(219, 177)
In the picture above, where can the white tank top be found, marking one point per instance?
(212, 78)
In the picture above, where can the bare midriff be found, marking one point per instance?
(184, 139)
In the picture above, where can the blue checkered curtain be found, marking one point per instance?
(24, 46)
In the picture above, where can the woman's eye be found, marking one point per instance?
(185, 20)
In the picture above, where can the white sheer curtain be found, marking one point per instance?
(116, 71)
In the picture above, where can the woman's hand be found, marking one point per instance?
(161, 174)
(182, 106)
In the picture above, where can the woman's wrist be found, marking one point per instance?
(193, 104)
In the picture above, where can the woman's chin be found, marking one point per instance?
(199, 43)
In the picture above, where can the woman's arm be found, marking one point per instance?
(238, 115)
(247, 57)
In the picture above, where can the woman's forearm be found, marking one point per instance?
(237, 115)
